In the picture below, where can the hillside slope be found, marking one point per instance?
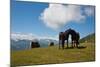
(88, 38)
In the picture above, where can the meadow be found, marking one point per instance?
(52, 55)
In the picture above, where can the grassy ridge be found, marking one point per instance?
(88, 38)
(53, 55)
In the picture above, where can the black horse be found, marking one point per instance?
(65, 36)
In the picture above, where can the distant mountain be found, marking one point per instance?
(21, 41)
(45, 42)
(88, 38)
(25, 44)
(20, 44)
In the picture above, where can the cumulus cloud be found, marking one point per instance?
(57, 15)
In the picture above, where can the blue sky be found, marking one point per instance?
(25, 18)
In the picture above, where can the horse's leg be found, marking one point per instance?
(59, 44)
(72, 43)
(67, 43)
(62, 44)
(77, 43)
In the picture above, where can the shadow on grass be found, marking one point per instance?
(79, 47)
(69, 47)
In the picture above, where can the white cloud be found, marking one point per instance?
(57, 15)
(21, 36)
(30, 36)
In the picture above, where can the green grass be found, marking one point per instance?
(51, 55)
